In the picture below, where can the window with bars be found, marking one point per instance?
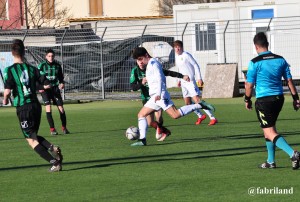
(205, 36)
(3, 9)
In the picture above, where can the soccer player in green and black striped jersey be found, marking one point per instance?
(53, 72)
(138, 81)
(20, 80)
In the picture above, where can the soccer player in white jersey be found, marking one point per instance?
(187, 65)
(159, 96)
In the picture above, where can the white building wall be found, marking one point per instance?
(239, 35)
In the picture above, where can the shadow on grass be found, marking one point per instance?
(155, 158)
(16, 138)
(242, 136)
(170, 157)
(235, 122)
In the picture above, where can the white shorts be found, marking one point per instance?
(190, 89)
(164, 104)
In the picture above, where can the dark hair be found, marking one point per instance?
(50, 51)
(178, 43)
(139, 52)
(17, 48)
(261, 40)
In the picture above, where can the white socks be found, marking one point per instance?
(188, 109)
(198, 113)
(209, 113)
(143, 126)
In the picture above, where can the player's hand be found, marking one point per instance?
(144, 80)
(179, 84)
(41, 91)
(186, 78)
(47, 86)
(248, 105)
(61, 86)
(296, 104)
(5, 101)
(200, 83)
(157, 98)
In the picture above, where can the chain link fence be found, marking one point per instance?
(97, 62)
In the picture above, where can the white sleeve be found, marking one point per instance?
(157, 72)
(196, 67)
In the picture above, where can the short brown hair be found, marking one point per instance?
(17, 48)
(178, 43)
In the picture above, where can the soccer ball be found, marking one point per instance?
(132, 133)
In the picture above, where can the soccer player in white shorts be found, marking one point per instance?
(187, 65)
(160, 97)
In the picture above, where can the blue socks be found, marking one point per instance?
(280, 142)
(271, 151)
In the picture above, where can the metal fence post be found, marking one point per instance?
(25, 35)
(184, 31)
(141, 38)
(224, 41)
(102, 67)
(62, 59)
(96, 27)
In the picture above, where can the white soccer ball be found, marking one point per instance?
(132, 133)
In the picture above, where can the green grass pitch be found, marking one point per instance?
(196, 163)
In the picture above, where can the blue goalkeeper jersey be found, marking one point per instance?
(266, 71)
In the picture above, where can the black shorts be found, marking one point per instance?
(268, 109)
(30, 118)
(54, 95)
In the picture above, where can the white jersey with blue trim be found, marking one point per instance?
(187, 65)
(156, 79)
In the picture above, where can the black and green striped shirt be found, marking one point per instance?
(137, 75)
(22, 79)
(52, 71)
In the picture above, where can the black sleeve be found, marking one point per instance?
(9, 81)
(41, 80)
(172, 74)
(136, 86)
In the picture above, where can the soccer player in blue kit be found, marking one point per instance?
(265, 73)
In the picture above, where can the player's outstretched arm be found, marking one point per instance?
(176, 75)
